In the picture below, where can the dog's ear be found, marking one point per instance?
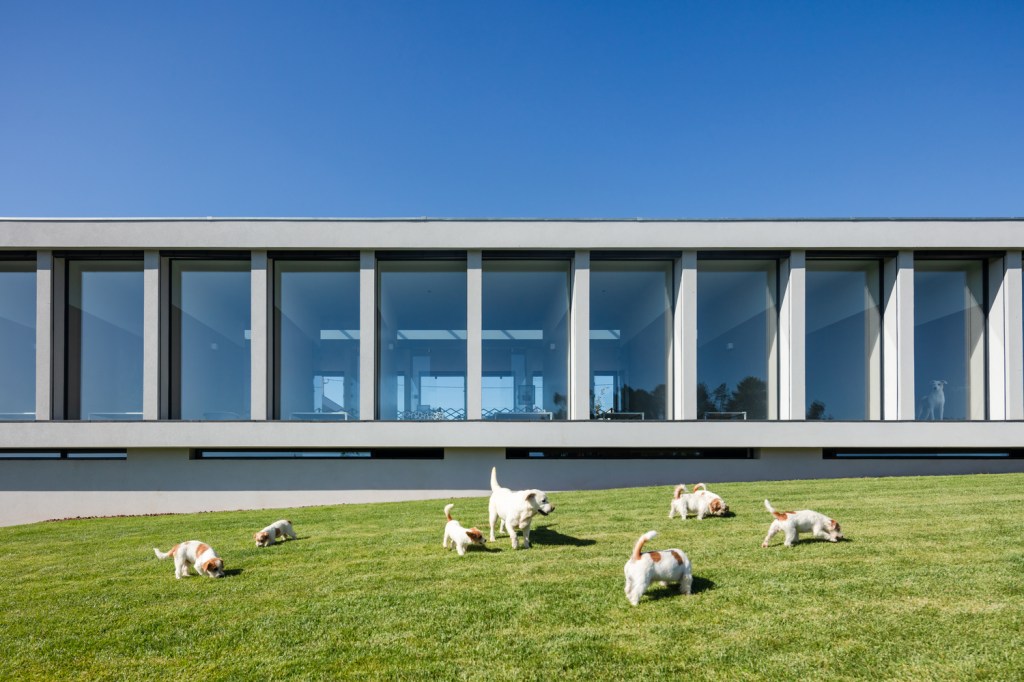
(530, 494)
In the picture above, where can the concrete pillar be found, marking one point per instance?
(579, 341)
(367, 335)
(793, 337)
(474, 334)
(151, 335)
(1013, 344)
(898, 342)
(685, 338)
(259, 337)
(44, 335)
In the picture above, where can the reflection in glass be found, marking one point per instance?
(525, 339)
(843, 351)
(18, 339)
(422, 340)
(949, 339)
(210, 344)
(736, 339)
(104, 339)
(630, 338)
(316, 322)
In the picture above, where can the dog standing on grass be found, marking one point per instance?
(516, 509)
(459, 536)
(792, 523)
(701, 502)
(195, 554)
(666, 566)
(270, 534)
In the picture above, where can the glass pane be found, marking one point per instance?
(316, 319)
(736, 329)
(18, 339)
(525, 339)
(949, 340)
(422, 340)
(210, 331)
(843, 341)
(630, 339)
(104, 339)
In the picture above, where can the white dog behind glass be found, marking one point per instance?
(933, 404)
(666, 566)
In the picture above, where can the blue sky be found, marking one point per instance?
(516, 109)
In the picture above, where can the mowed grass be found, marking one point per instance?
(929, 585)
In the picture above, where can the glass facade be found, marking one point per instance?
(18, 339)
(630, 339)
(737, 365)
(949, 339)
(525, 339)
(104, 339)
(210, 339)
(316, 342)
(843, 348)
(421, 339)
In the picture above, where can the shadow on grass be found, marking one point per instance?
(808, 541)
(232, 572)
(659, 591)
(546, 535)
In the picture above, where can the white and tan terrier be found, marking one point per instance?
(195, 554)
(701, 502)
(792, 523)
(459, 536)
(666, 566)
(274, 532)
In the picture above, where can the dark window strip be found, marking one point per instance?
(53, 454)
(335, 453)
(922, 453)
(628, 453)
(314, 255)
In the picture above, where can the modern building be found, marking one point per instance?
(178, 365)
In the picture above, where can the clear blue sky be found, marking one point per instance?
(514, 109)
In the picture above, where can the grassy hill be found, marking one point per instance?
(929, 585)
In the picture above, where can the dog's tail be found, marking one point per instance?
(680, 489)
(448, 511)
(781, 516)
(697, 486)
(494, 479)
(769, 507)
(640, 544)
(164, 555)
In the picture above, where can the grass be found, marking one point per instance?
(928, 586)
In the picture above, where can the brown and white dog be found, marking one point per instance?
(516, 509)
(667, 566)
(792, 523)
(701, 502)
(273, 532)
(196, 554)
(459, 536)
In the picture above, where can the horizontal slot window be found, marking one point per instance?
(63, 454)
(379, 453)
(921, 453)
(628, 453)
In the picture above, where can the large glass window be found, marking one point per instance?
(949, 339)
(737, 365)
(843, 351)
(18, 339)
(630, 338)
(210, 339)
(422, 339)
(104, 339)
(316, 322)
(525, 339)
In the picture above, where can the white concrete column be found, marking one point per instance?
(1013, 342)
(898, 341)
(151, 335)
(792, 337)
(367, 335)
(579, 342)
(685, 338)
(474, 334)
(44, 335)
(259, 335)
(995, 339)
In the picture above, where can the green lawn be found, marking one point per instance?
(929, 585)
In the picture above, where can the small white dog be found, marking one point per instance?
(701, 502)
(791, 523)
(934, 402)
(459, 536)
(270, 534)
(666, 566)
(515, 509)
(198, 555)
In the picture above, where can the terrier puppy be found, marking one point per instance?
(195, 554)
(270, 534)
(791, 523)
(459, 536)
(666, 566)
(701, 502)
(515, 509)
